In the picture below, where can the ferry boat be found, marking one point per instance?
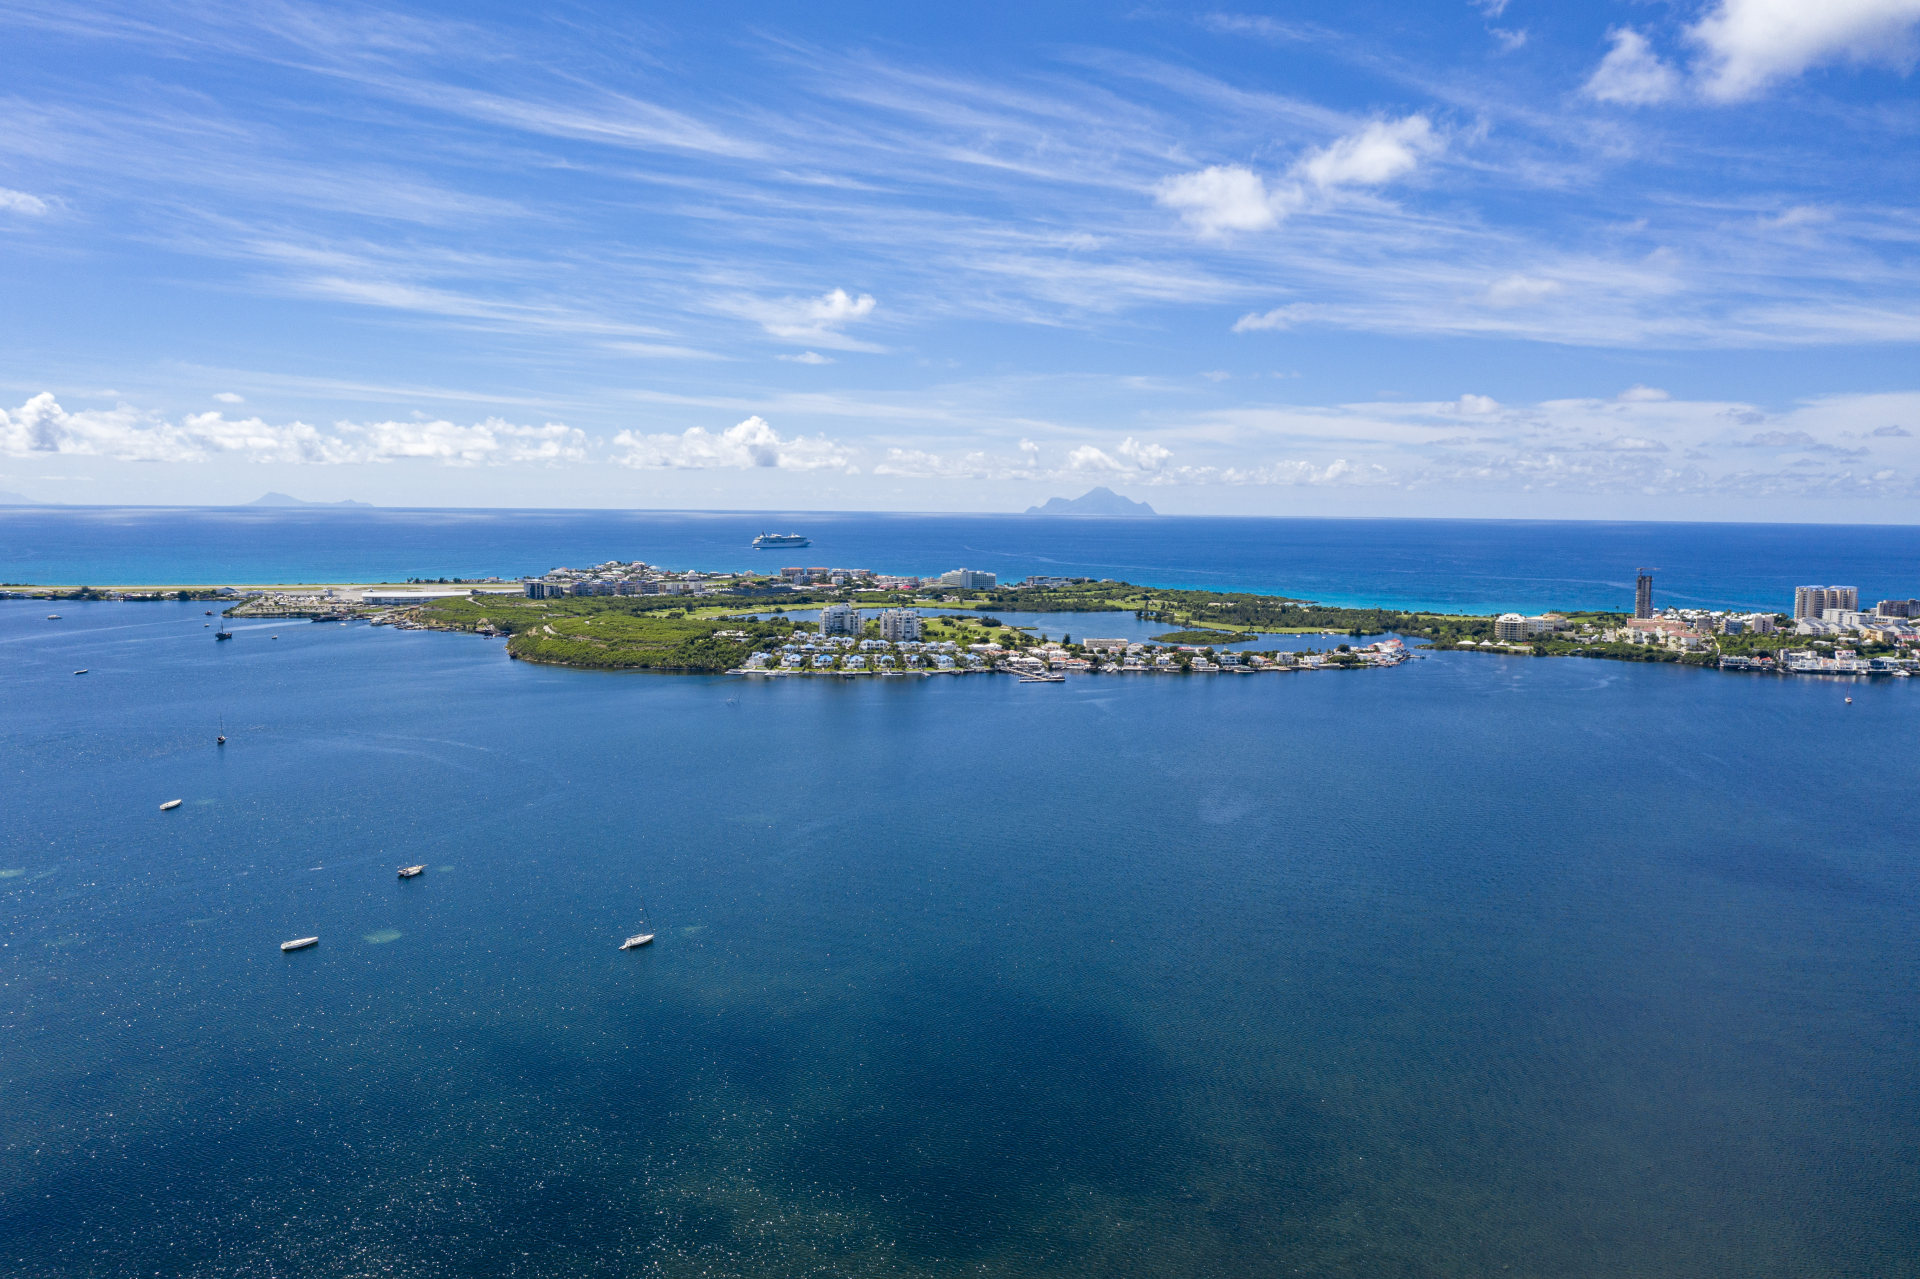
(170, 805)
(636, 941)
(299, 943)
(408, 872)
(779, 541)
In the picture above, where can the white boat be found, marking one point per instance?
(170, 805)
(636, 941)
(53, 617)
(299, 943)
(408, 872)
(81, 671)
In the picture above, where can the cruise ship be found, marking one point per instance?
(779, 541)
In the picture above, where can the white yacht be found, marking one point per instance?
(170, 805)
(636, 941)
(299, 943)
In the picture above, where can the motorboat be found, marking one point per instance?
(170, 805)
(53, 617)
(81, 671)
(408, 872)
(299, 943)
(636, 941)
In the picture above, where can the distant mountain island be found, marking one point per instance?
(1103, 502)
(281, 499)
(17, 499)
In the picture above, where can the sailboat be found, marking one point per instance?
(221, 740)
(641, 938)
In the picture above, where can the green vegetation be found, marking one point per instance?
(1204, 637)
(607, 632)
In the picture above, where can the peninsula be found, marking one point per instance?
(630, 615)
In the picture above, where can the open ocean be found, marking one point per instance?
(1478, 966)
(1460, 565)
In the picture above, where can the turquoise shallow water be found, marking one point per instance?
(1478, 966)
(1484, 566)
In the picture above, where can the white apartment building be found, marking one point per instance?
(900, 625)
(970, 579)
(840, 619)
(1814, 601)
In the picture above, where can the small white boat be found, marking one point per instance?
(299, 943)
(408, 872)
(636, 941)
(53, 617)
(81, 671)
(170, 805)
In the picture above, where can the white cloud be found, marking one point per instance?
(1379, 153)
(743, 446)
(1089, 458)
(1222, 198)
(42, 426)
(1231, 197)
(1491, 8)
(20, 202)
(1522, 290)
(1146, 456)
(806, 357)
(1281, 317)
(814, 321)
(1509, 40)
(1639, 394)
(1478, 405)
(1631, 74)
(229, 397)
(1750, 44)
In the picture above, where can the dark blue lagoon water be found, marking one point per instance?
(1464, 565)
(1477, 966)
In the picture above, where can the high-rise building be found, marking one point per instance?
(1812, 601)
(1643, 595)
(971, 579)
(899, 624)
(840, 619)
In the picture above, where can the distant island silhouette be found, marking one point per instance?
(18, 499)
(281, 499)
(1101, 501)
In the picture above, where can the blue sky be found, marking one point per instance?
(1634, 260)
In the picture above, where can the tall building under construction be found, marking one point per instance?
(1643, 594)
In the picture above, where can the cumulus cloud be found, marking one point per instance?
(1631, 74)
(1224, 198)
(815, 321)
(123, 433)
(744, 446)
(1748, 45)
(20, 202)
(1477, 405)
(1892, 432)
(1382, 151)
(1147, 456)
(1089, 458)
